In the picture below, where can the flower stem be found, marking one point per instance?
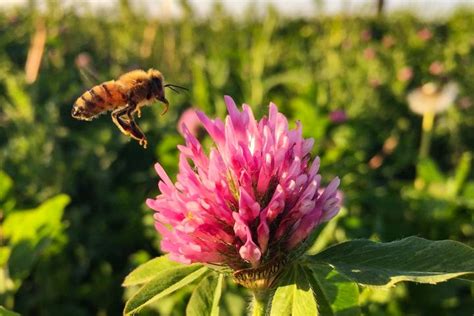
(260, 302)
(427, 126)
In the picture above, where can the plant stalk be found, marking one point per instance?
(260, 302)
(427, 127)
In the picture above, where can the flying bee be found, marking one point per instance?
(124, 97)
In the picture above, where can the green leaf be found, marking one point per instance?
(21, 110)
(148, 270)
(6, 184)
(462, 172)
(336, 295)
(4, 255)
(37, 223)
(164, 283)
(429, 171)
(233, 301)
(294, 295)
(217, 296)
(29, 232)
(6, 312)
(205, 298)
(410, 259)
(173, 304)
(468, 193)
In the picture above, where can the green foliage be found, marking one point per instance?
(6, 184)
(5, 312)
(308, 67)
(294, 295)
(27, 235)
(336, 294)
(321, 284)
(145, 272)
(36, 224)
(410, 259)
(205, 298)
(162, 284)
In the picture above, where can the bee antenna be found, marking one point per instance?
(174, 89)
(171, 86)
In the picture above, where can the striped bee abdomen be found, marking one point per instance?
(99, 99)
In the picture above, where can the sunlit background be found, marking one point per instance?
(385, 87)
(425, 8)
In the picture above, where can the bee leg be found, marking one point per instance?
(128, 126)
(135, 109)
(119, 122)
(136, 132)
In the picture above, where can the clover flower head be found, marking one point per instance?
(253, 197)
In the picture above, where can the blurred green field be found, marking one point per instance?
(72, 193)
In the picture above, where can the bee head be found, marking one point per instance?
(156, 83)
(157, 88)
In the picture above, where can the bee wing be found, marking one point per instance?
(89, 77)
(87, 72)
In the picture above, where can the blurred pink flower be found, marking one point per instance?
(338, 116)
(374, 82)
(436, 68)
(405, 74)
(465, 103)
(388, 41)
(252, 199)
(347, 44)
(424, 34)
(189, 119)
(12, 19)
(369, 53)
(83, 60)
(366, 35)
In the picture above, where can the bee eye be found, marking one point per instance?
(156, 86)
(157, 82)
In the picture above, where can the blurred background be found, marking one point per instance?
(386, 89)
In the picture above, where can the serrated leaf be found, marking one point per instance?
(294, 295)
(164, 283)
(410, 259)
(336, 295)
(148, 270)
(205, 298)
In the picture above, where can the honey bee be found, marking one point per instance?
(124, 97)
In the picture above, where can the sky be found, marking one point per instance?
(426, 8)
